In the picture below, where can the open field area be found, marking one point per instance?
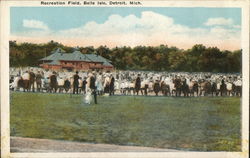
(192, 124)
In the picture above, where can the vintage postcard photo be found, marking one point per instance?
(125, 77)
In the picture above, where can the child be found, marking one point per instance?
(88, 96)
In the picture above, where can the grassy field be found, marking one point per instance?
(194, 124)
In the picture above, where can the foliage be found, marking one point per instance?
(160, 58)
(195, 123)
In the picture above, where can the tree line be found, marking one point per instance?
(160, 58)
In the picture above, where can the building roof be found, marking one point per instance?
(94, 57)
(55, 55)
(97, 57)
(107, 64)
(75, 56)
(60, 55)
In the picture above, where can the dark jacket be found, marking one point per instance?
(76, 79)
(53, 80)
(92, 83)
(138, 83)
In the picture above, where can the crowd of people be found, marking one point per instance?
(125, 82)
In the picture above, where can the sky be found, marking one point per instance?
(128, 26)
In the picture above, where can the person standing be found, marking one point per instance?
(146, 83)
(76, 83)
(32, 80)
(90, 89)
(93, 87)
(99, 86)
(39, 81)
(157, 87)
(53, 82)
(112, 86)
(137, 84)
(84, 82)
(88, 97)
(223, 88)
(177, 86)
(106, 83)
(185, 88)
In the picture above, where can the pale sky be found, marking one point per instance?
(95, 26)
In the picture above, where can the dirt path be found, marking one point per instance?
(20, 144)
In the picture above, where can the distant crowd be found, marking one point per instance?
(33, 79)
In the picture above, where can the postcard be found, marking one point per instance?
(125, 78)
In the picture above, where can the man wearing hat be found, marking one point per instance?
(32, 80)
(112, 85)
(39, 81)
(106, 83)
(75, 83)
(84, 83)
(53, 82)
(137, 84)
(157, 86)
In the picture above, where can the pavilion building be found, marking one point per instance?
(59, 59)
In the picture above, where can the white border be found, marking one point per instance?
(4, 65)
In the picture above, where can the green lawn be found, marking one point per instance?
(196, 124)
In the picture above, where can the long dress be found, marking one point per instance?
(88, 96)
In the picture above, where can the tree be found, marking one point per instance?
(159, 58)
